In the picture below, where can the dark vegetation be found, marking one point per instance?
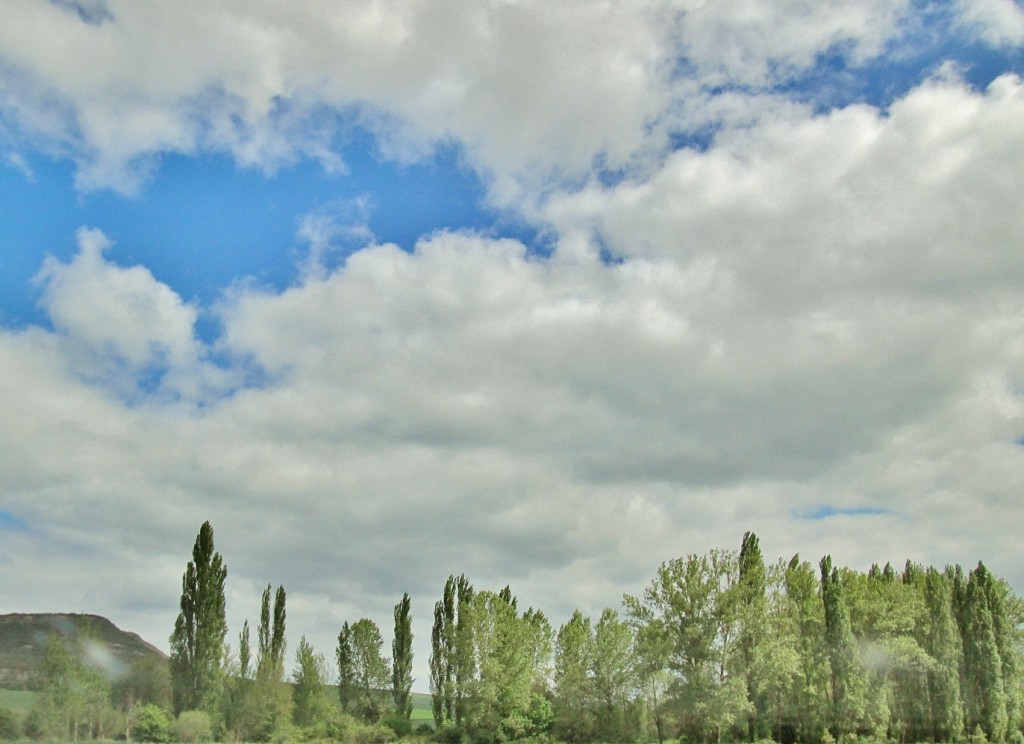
(718, 648)
(23, 638)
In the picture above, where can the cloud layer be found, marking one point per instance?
(809, 326)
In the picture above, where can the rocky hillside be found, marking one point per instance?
(23, 639)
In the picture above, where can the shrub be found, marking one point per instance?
(398, 723)
(152, 724)
(194, 726)
(376, 733)
(10, 726)
(34, 727)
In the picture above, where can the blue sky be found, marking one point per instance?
(202, 223)
(542, 293)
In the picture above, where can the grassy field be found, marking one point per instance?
(422, 711)
(21, 700)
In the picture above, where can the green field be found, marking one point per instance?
(422, 711)
(21, 700)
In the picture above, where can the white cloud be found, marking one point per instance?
(1000, 22)
(756, 43)
(121, 326)
(818, 310)
(533, 91)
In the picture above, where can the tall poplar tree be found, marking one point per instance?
(574, 693)
(346, 668)
(438, 665)
(986, 694)
(451, 661)
(462, 646)
(848, 682)
(753, 614)
(197, 643)
(270, 704)
(310, 677)
(944, 645)
(401, 659)
(808, 709)
(614, 679)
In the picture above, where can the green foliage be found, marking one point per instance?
(10, 725)
(986, 696)
(574, 694)
(401, 659)
(260, 702)
(452, 664)
(848, 681)
(718, 648)
(244, 653)
(369, 669)
(148, 680)
(752, 609)
(74, 701)
(194, 726)
(197, 642)
(152, 724)
(33, 726)
(346, 668)
(309, 692)
(689, 613)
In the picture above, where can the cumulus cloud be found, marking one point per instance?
(1000, 22)
(122, 327)
(814, 313)
(532, 91)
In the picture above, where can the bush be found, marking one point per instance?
(376, 733)
(449, 733)
(194, 726)
(398, 723)
(152, 724)
(10, 725)
(34, 727)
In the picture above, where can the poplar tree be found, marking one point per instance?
(244, 652)
(848, 684)
(986, 695)
(614, 677)
(401, 659)
(197, 643)
(944, 645)
(310, 676)
(1004, 628)
(461, 646)
(271, 700)
(346, 668)
(807, 618)
(574, 693)
(753, 613)
(451, 661)
(438, 666)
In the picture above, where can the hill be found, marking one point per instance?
(23, 639)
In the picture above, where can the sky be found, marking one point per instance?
(542, 293)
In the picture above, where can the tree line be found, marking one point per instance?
(723, 647)
(717, 648)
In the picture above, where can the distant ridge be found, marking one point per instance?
(23, 638)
